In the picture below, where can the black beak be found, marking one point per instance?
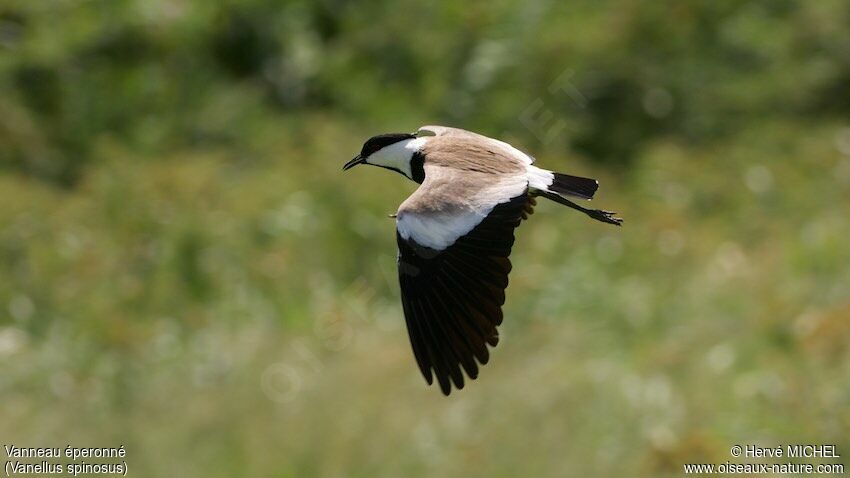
(354, 162)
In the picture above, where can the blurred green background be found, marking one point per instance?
(185, 270)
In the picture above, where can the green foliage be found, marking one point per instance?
(184, 269)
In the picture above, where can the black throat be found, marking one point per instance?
(417, 167)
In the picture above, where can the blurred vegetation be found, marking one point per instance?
(185, 271)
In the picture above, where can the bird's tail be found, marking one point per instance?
(577, 186)
(556, 187)
(561, 184)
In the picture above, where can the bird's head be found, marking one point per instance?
(393, 151)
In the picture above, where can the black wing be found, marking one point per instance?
(453, 298)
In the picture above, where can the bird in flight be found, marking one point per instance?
(455, 233)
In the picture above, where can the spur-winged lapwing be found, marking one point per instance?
(455, 233)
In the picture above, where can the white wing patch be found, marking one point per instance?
(436, 218)
(438, 231)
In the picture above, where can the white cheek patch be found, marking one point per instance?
(397, 155)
